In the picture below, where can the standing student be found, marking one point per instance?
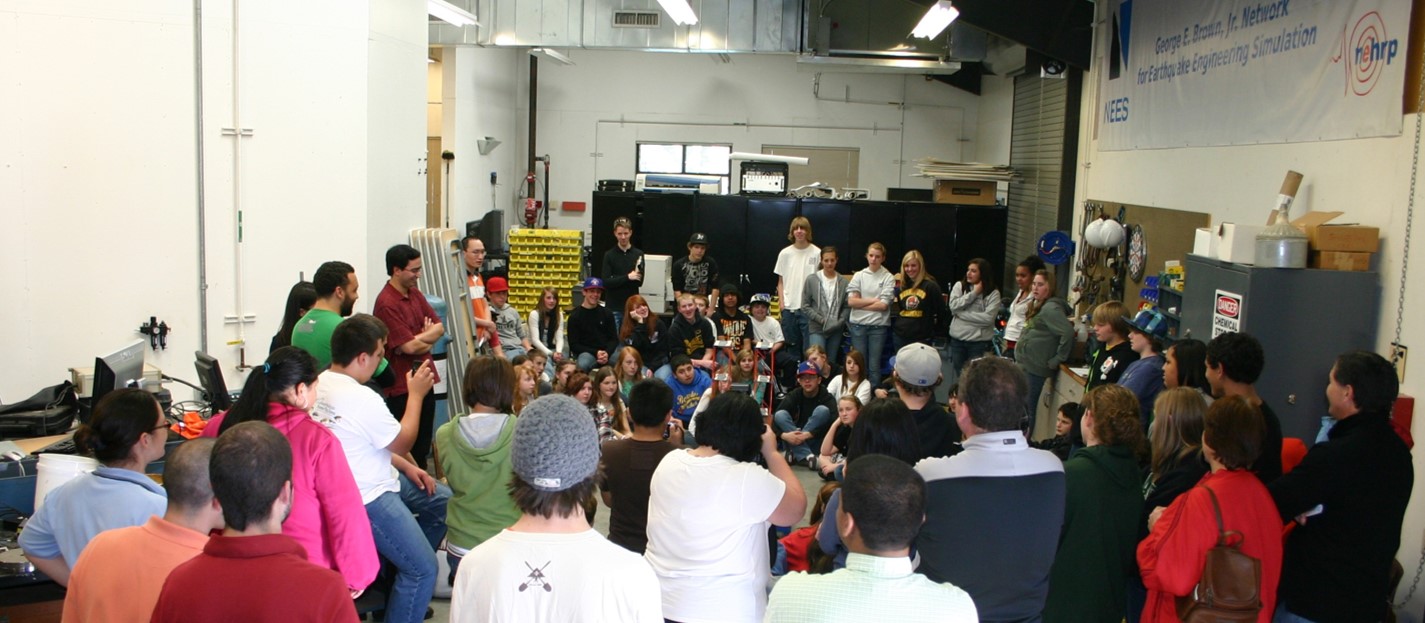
(975, 303)
(1045, 343)
(1109, 361)
(413, 329)
(824, 303)
(622, 269)
(919, 311)
(1145, 377)
(696, 273)
(473, 252)
(1234, 363)
(869, 295)
(1019, 305)
(794, 263)
(708, 514)
(628, 464)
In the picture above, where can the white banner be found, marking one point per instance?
(1181, 73)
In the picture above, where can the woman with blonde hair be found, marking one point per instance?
(526, 387)
(918, 314)
(745, 371)
(1103, 499)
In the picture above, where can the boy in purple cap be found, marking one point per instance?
(804, 416)
(592, 330)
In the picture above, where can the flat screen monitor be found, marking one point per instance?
(210, 376)
(117, 370)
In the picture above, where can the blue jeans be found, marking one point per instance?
(819, 420)
(963, 352)
(409, 543)
(870, 340)
(586, 361)
(663, 373)
(1031, 401)
(830, 341)
(795, 331)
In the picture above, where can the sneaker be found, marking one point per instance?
(811, 463)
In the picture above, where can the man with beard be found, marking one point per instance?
(335, 283)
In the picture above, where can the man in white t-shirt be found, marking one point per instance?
(794, 263)
(405, 505)
(708, 511)
(551, 565)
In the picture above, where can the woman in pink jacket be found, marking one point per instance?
(327, 516)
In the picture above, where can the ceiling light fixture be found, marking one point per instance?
(936, 20)
(450, 13)
(562, 59)
(680, 11)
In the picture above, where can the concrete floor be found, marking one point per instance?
(811, 483)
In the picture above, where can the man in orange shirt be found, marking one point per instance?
(474, 252)
(120, 573)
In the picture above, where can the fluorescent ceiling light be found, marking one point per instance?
(450, 13)
(562, 59)
(936, 20)
(680, 11)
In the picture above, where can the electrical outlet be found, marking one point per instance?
(1398, 354)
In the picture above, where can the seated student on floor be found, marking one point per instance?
(804, 416)
(767, 337)
(688, 385)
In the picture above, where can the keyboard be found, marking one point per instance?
(63, 446)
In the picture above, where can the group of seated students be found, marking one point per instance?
(318, 480)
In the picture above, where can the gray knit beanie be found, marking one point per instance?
(556, 444)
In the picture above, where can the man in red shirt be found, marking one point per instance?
(266, 574)
(414, 328)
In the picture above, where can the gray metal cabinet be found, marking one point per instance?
(1303, 317)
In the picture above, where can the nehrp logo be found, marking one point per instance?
(1366, 50)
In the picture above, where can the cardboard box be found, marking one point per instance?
(1340, 260)
(1326, 237)
(1236, 242)
(965, 192)
(1204, 242)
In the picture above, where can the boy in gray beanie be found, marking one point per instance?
(551, 565)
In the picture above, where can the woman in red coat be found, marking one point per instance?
(1172, 556)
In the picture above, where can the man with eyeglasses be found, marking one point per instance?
(473, 251)
(414, 328)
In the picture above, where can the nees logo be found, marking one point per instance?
(1366, 50)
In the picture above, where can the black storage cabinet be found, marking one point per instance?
(746, 233)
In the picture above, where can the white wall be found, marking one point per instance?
(1368, 179)
(98, 181)
(591, 115)
(479, 98)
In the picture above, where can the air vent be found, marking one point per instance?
(637, 19)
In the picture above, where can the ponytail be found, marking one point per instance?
(286, 368)
(119, 420)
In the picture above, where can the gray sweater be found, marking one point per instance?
(1046, 339)
(823, 315)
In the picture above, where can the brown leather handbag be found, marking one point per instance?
(1230, 589)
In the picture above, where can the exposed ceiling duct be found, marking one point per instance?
(1061, 29)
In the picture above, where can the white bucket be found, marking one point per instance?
(54, 470)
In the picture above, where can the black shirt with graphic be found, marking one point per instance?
(695, 277)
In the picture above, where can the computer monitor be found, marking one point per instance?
(117, 370)
(210, 376)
